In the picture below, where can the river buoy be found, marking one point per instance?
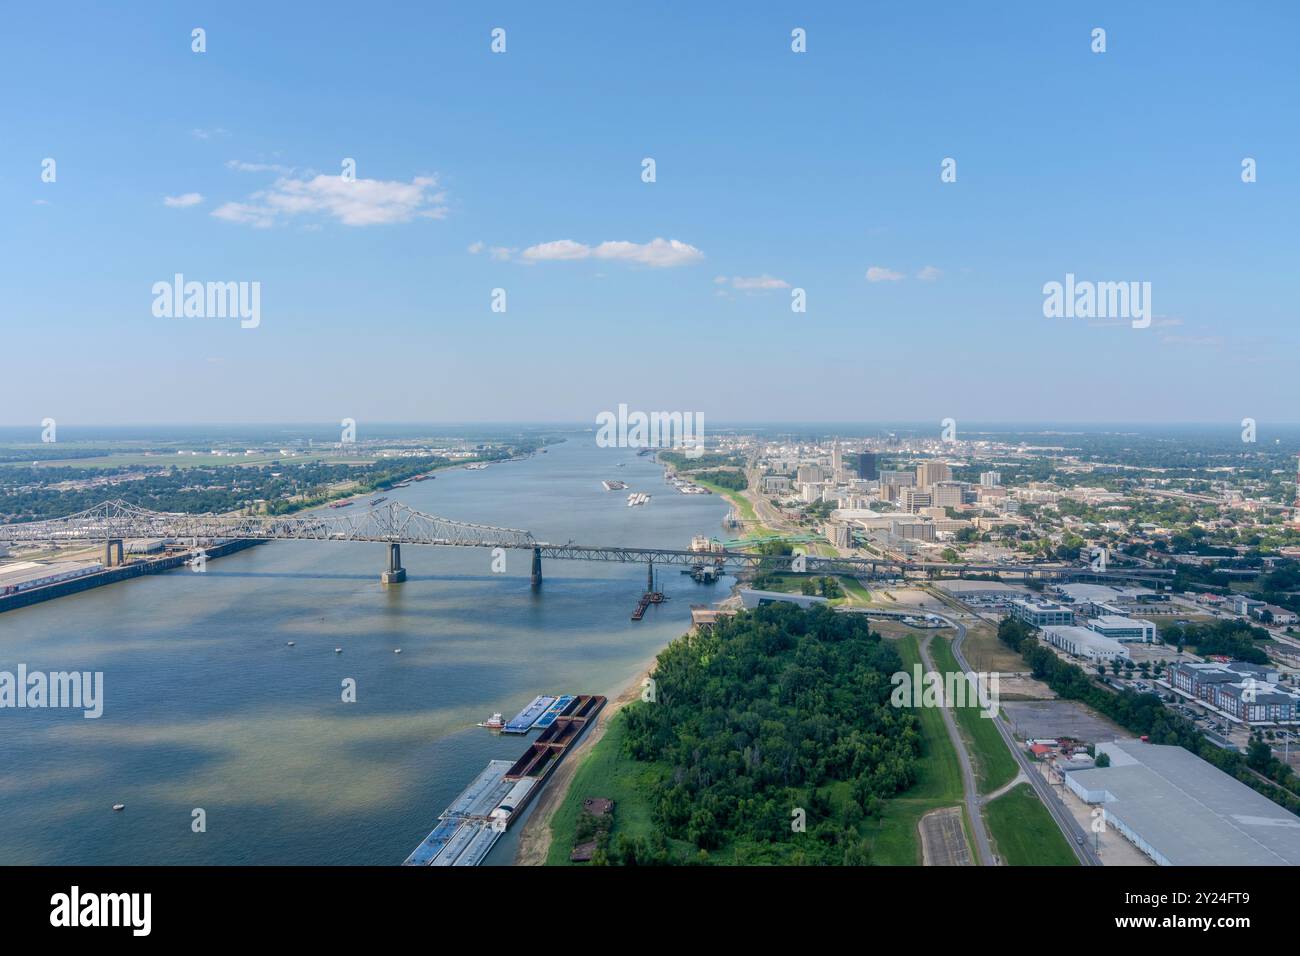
(119, 806)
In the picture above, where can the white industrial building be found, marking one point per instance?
(1081, 642)
(1181, 811)
(25, 575)
(1126, 630)
(751, 598)
(1041, 614)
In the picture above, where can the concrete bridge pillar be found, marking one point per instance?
(113, 553)
(650, 575)
(395, 574)
(537, 568)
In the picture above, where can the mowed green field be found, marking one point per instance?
(994, 764)
(895, 839)
(741, 504)
(1024, 832)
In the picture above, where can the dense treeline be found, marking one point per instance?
(733, 480)
(202, 489)
(1235, 639)
(705, 462)
(1145, 715)
(757, 720)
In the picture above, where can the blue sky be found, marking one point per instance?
(809, 169)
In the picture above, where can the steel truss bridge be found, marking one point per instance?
(395, 524)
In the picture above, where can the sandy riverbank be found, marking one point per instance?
(535, 839)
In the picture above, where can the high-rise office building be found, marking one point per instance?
(913, 499)
(809, 474)
(990, 479)
(900, 479)
(947, 494)
(867, 465)
(932, 472)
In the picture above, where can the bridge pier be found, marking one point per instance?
(537, 568)
(113, 553)
(395, 574)
(650, 575)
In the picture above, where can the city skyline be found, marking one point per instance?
(522, 171)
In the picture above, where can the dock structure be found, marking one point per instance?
(473, 822)
(523, 721)
(650, 597)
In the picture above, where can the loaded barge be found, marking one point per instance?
(475, 820)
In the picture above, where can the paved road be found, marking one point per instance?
(1064, 819)
(970, 788)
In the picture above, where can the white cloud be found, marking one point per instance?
(881, 274)
(183, 200)
(242, 167)
(930, 274)
(658, 253)
(763, 282)
(361, 202)
(208, 133)
(499, 253)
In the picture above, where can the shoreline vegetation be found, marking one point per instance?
(536, 837)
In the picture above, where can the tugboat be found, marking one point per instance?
(495, 722)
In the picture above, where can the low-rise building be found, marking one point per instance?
(1124, 629)
(1041, 614)
(1182, 811)
(25, 575)
(1083, 643)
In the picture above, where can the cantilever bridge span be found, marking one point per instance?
(395, 524)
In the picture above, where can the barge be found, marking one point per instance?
(523, 721)
(473, 822)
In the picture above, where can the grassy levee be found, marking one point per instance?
(741, 503)
(606, 772)
(895, 839)
(994, 764)
(1024, 832)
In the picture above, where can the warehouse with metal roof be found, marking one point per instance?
(1181, 811)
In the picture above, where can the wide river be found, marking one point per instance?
(206, 706)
